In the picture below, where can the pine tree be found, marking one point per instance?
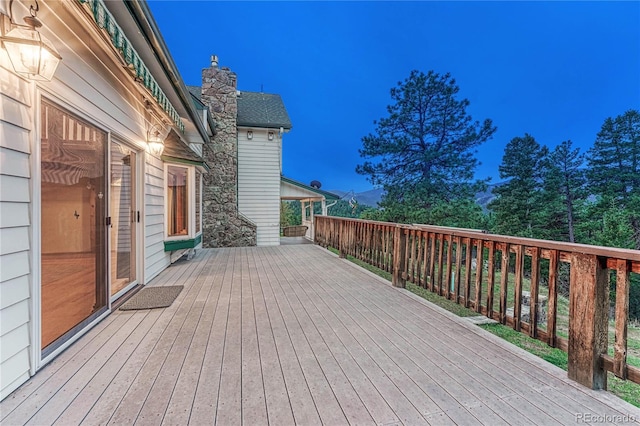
(563, 191)
(614, 168)
(422, 153)
(518, 204)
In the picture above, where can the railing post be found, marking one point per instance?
(343, 240)
(622, 316)
(588, 318)
(399, 255)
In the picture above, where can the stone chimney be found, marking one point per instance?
(222, 224)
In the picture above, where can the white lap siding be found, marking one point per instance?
(259, 183)
(91, 83)
(156, 259)
(15, 274)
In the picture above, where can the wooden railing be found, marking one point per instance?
(555, 292)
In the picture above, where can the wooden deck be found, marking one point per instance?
(293, 335)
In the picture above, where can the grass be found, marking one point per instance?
(449, 305)
(555, 356)
(624, 389)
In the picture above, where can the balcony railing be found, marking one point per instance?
(556, 292)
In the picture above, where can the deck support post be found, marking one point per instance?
(399, 257)
(588, 320)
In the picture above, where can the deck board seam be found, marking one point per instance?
(286, 278)
(383, 311)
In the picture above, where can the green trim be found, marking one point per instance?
(327, 195)
(123, 46)
(182, 244)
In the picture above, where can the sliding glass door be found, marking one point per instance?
(73, 231)
(124, 217)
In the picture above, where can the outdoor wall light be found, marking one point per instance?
(270, 136)
(249, 134)
(31, 54)
(155, 140)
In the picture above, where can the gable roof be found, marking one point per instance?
(266, 110)
(307, 190)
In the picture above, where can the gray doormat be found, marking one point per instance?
(152, 297)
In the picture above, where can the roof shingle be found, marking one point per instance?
(262, 110)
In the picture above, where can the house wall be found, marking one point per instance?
(259, 169)
(155, 258)
(16, 125)
(92, 83)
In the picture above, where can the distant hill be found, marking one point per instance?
(366, 198)
(485, 197)
(373, 196)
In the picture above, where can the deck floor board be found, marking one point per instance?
(294, 335)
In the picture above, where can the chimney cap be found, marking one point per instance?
(214, 61)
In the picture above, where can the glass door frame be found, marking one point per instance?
(39, 355)
(138, 190)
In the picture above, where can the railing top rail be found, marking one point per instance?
(610, 252)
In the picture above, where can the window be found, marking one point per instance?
(177, 201)
(198, 200)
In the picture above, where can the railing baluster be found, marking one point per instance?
(447, 284)
(467, 274)
(517, 299)
(458, 276)
(399, 257)
(504, 281)
(622, 313)
(533, 290)
(425, 259)
(479, 267)
(491, 274)
(432, 262)
(552, 305)
(440, 263)
(406, 254)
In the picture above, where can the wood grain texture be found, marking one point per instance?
(294, 335)
(622, 313)
(588, 305)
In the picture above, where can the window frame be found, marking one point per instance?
(197, 197)
(191, 199)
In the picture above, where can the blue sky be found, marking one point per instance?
(555, 70)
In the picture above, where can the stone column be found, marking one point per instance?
(223, 226)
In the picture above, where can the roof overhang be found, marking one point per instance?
(175, 151)
(293, 190)
(140, 27)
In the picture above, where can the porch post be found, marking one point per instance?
(311, 224)
(588, 317)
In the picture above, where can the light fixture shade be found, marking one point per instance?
(31, 54)
(155, 142)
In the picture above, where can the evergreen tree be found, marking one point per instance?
(563, 191)
(614, 168)
(422, 153)
(518, 205)
(290, 213)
